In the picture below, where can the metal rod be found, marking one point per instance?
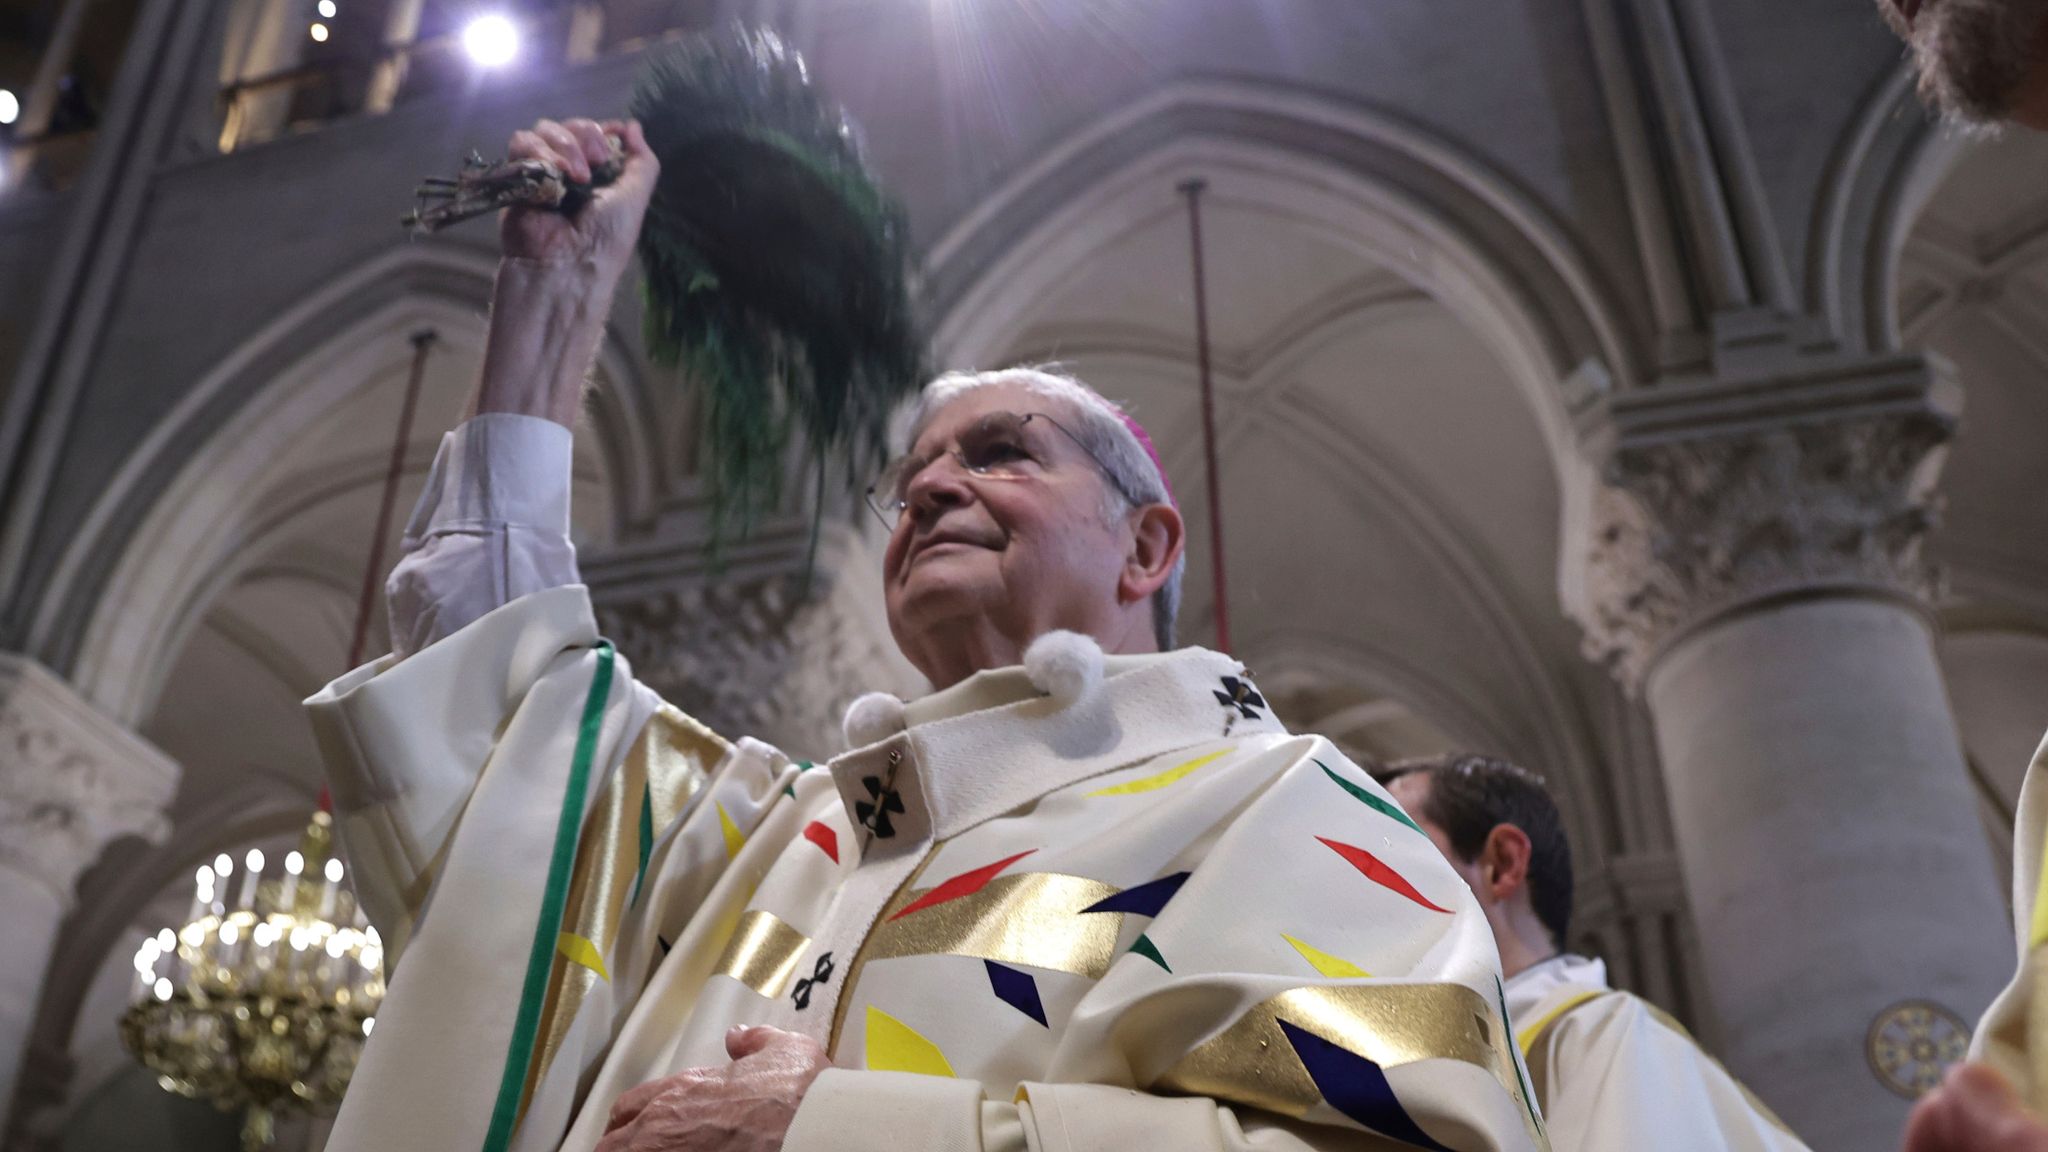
(1193, 189)
(421, 342)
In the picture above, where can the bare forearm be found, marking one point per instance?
(547, 320)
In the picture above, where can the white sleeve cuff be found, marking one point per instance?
(850, 1111)
(498, 469)
(491, 526)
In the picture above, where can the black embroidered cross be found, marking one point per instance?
(819, 975)
(875, 816)
(1240, 694)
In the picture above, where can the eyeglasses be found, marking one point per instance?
(999, 446)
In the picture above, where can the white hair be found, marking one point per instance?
(1099, 426)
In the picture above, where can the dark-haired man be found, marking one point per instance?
(1612, 1072)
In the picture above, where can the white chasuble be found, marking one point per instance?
(1149, 917)
(1613, 1073)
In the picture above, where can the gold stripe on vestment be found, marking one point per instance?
(1252, 1061)
(1529, 1036)
(1032, 918)
(666, 764)
(762, 953)
(1534, 1043)
(676, 756)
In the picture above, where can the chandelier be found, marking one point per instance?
(260, 1004)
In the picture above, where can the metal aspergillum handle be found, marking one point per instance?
(485, 186)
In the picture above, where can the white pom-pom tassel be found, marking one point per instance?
(1064, 665)
(872, 719)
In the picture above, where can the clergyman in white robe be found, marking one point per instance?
(1029, 912)
(1614, 1073)
(1610, 1071)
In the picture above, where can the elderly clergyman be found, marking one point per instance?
(1090, 894)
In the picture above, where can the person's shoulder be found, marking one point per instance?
(1653, 1016)
(1640, 1027)
(1607, 1008)
(1273, 764)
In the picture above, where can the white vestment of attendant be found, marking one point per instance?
(2013, 1036)
(1144, 917)
(1612, 1073)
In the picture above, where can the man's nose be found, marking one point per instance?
(938, 486)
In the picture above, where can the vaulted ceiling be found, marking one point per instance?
(1973, 287)
(1389, 506)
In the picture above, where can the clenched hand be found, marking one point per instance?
(554, 288)
(1974, 1110)
(603, 230)
(746, 1106)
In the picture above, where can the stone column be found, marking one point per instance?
(1756, 570)
(71, 782)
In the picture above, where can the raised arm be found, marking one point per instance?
(493, 522)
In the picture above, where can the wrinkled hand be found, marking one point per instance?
(1974, 1110)
(745, 1106)
(604, 230)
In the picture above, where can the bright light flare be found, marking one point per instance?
(10, 107)
(319, 33)
(491, 40)
(327, 9)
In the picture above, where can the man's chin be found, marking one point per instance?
(938, 583)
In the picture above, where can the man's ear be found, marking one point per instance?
(1504, 862)
(1157, 538)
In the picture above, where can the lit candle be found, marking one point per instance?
(167, 947)
(328, 893)
(145, 968)
(202, 893)
(254, 865)
(230, 941)
(293, 865)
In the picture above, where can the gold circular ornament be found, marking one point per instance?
(1913, 1043)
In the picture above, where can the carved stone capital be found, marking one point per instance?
(752, 654)
(71, 780)
(711, 649)
(1680, 527)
